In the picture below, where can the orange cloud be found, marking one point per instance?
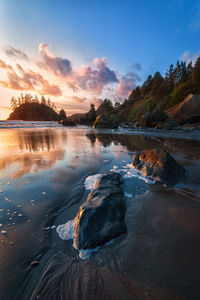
(78, 99)
(28, 80)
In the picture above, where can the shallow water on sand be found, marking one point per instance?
(42, 175)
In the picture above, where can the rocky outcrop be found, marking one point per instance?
(152, 119)
(158, 165)
(84, 118)
(34, 112)
(101, 217)
(67, 122)
(187, 111)
(105, 121)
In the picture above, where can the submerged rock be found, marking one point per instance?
(158, 165)
(101, 217)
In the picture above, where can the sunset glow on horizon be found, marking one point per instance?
(82, 58)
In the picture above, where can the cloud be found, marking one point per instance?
(12, 52)
(94, 79)
(60, 66)
(3, 65)
(96, 101)
(194, 23)
(78, 99)
(190, 20)
(27, 80)
(127, 84)
(187, 56)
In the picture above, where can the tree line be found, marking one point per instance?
(157, 92)
(28, 98)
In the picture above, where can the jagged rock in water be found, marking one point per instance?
(101, 217)
(158, 165)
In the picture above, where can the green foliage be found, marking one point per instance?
(183, 90)
(105, 107)
(144, 106)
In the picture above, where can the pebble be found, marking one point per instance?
(7, 199)
(43, 193)
(3, 231)
(35, 263)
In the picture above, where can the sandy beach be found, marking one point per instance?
(42, 175)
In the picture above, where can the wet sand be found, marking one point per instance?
(42, 176)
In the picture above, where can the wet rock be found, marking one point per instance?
(101, 217)
(158, 165)
(153, 119)
(35, 263)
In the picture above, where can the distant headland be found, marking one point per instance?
(160, 102)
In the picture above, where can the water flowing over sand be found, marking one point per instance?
(47, 172)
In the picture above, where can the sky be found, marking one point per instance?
(80, 52)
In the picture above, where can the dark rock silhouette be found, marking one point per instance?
(34, 112)
(151, 119)
(105, 121)
(85, 118)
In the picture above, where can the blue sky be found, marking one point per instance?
(153, 34)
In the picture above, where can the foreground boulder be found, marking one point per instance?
(158, 165)
(187, 111)
(101, 217)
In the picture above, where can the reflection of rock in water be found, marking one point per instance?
(92, 138)
(131, 142)
(141, 142)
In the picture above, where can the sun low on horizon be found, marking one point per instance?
(63, 51)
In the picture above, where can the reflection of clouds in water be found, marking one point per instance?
(31, 164)
(45, 147)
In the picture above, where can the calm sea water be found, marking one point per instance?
(43, 167)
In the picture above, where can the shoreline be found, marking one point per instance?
(162, 224)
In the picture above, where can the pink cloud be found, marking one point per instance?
(60, 66)
(28, 80)
(94, 79)
(127, 84)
